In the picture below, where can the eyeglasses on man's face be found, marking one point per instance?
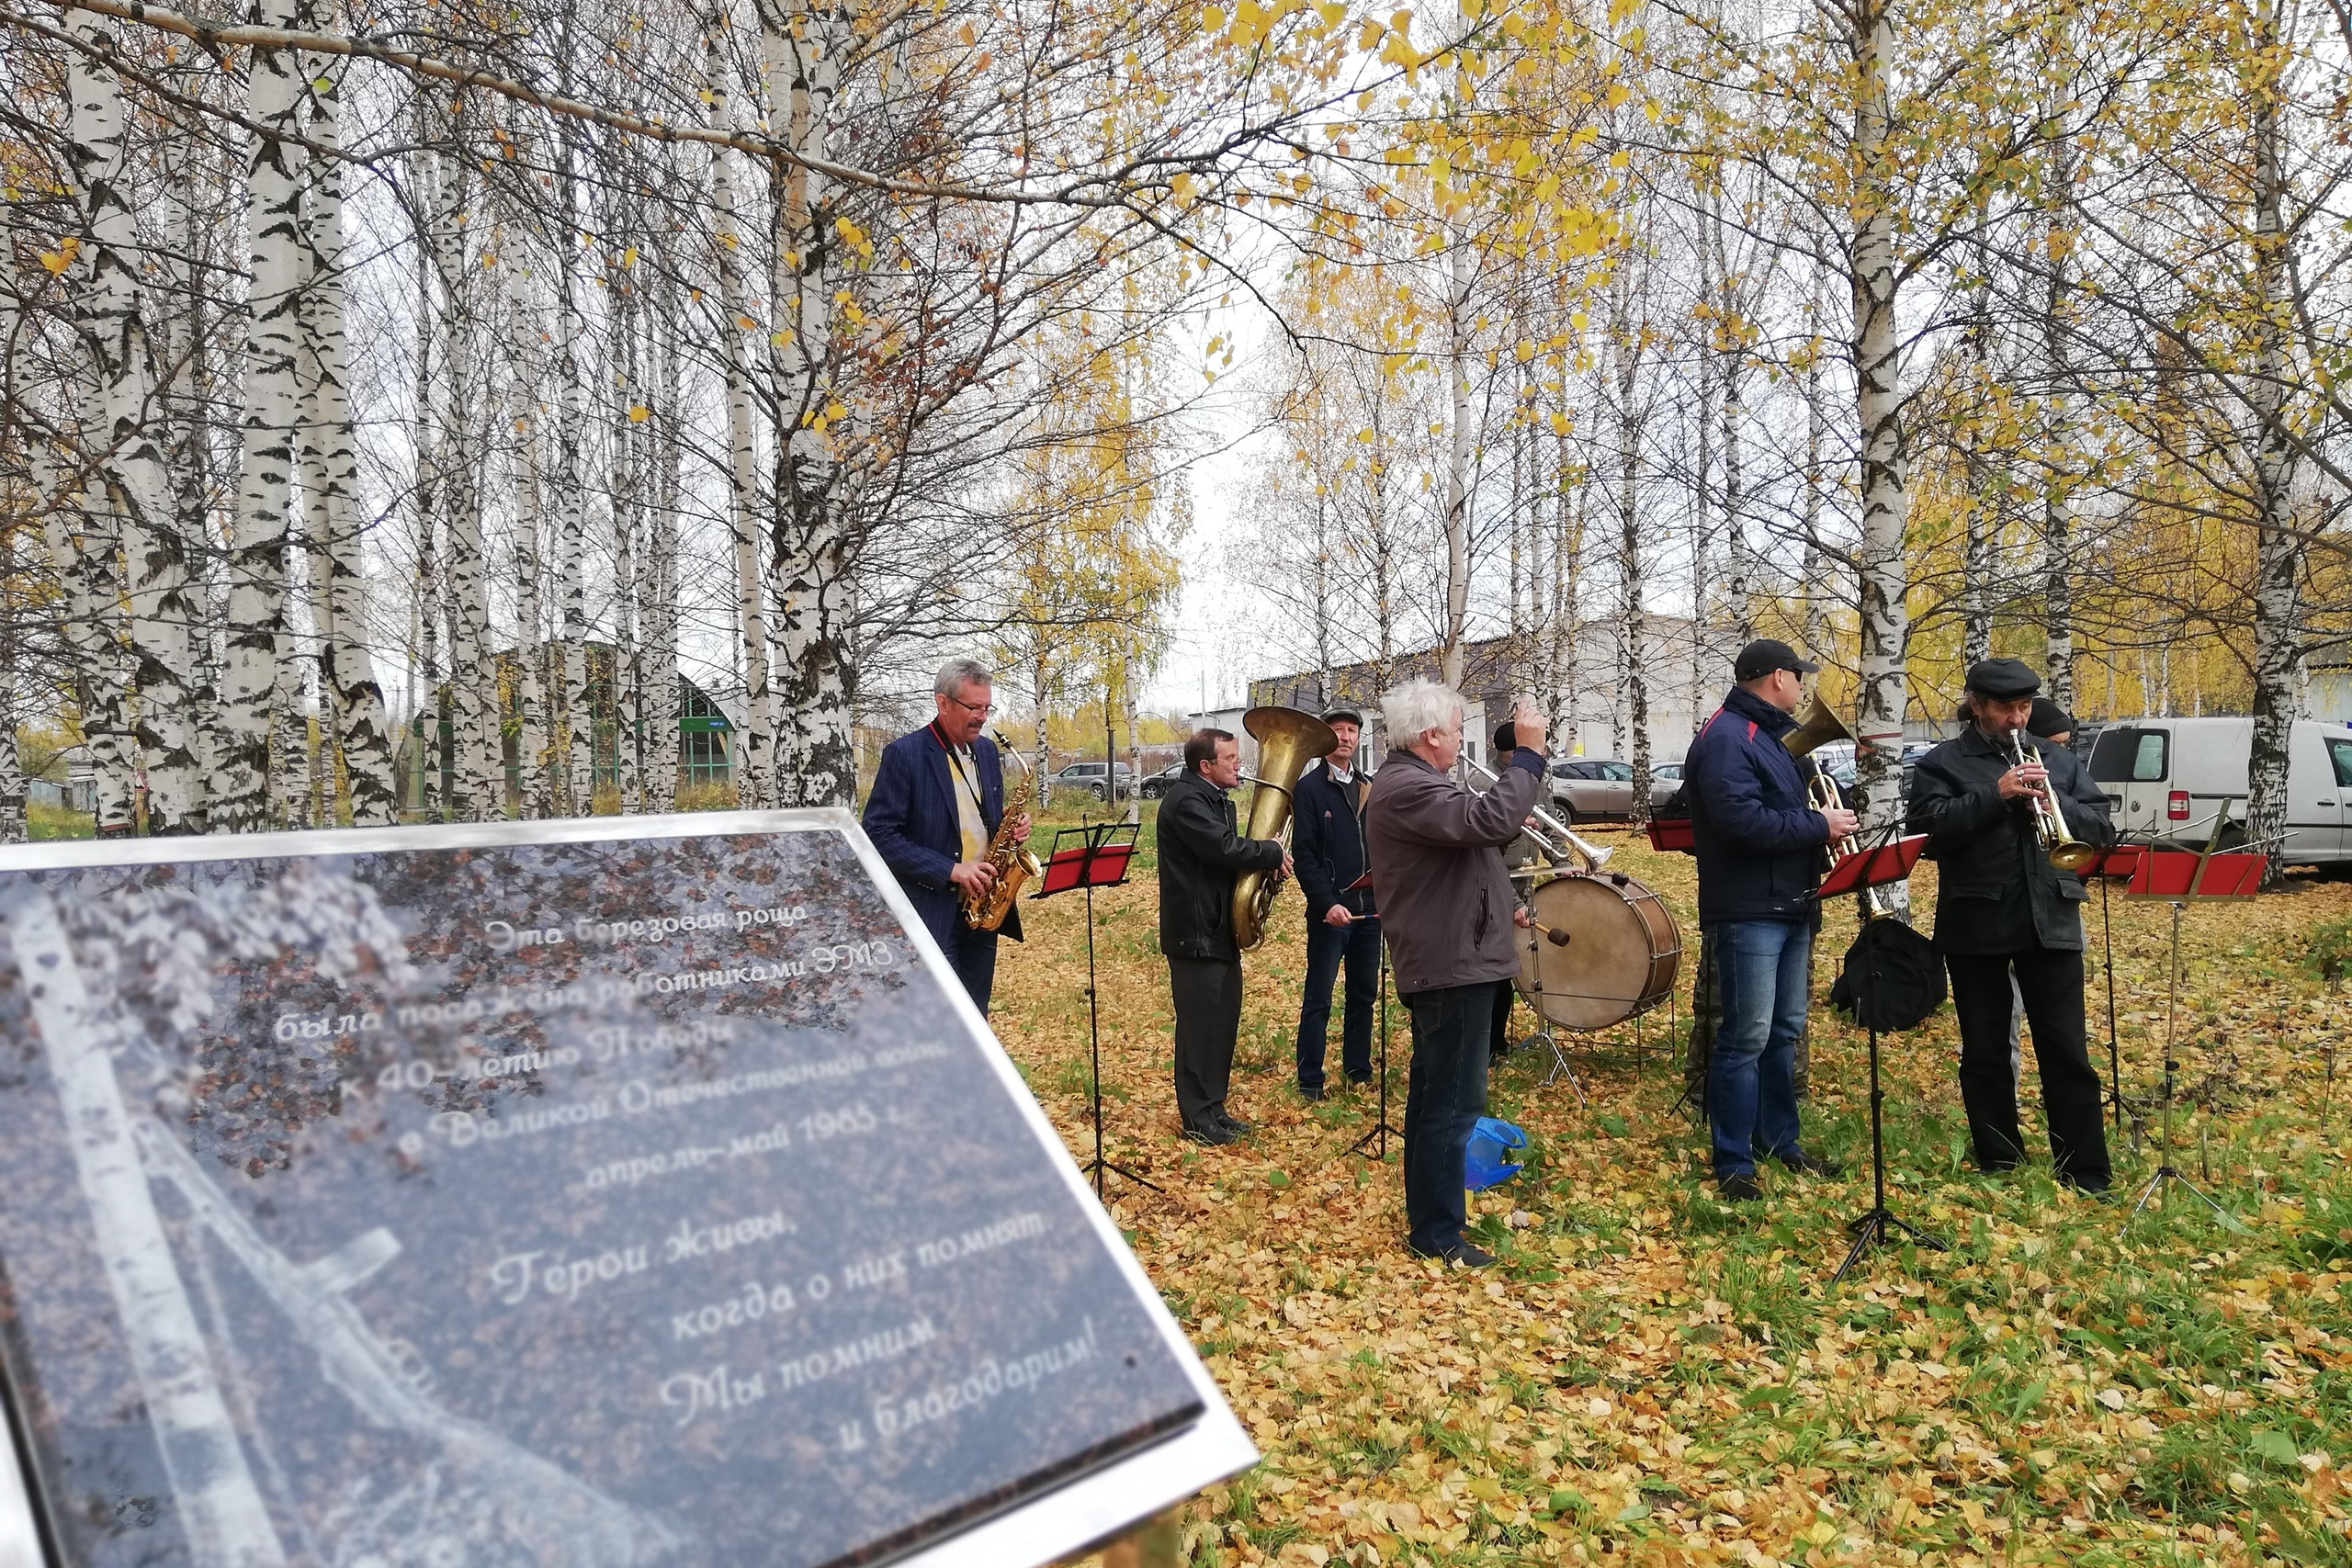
(983, 709)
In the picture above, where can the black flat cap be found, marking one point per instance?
(1765, 655)
(1506, 737)
(2004, 679)
(2049, 719)
(1344, 715)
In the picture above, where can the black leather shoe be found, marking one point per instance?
(1810, 1165)
(1216, 1135)
(1738, 1189)
(1232, 1124)
(1355, 1082)
(1307, 1093)
(1461, 1255)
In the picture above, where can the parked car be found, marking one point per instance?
(1090, 777)
(2168, 777)
(1588, 788)
(1156, 785)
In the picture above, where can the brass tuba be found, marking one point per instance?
(1013, 862)
(1816, 728)
(1287, 741)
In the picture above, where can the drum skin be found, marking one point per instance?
(1620, 959)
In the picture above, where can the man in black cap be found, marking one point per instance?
(2004, 912)
(1326, 844)
(1759, 841)
(2052, 723)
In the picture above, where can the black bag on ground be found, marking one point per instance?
(1892, 978)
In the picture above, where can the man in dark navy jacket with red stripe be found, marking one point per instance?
(1759, 839)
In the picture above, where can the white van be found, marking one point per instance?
(2168, 776)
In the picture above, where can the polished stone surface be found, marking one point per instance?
(556, 1205)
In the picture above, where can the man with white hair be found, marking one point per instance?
(1445, 904)
(937, 800)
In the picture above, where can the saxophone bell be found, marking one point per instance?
(1009, 856)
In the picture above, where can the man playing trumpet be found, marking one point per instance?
(2004, 811)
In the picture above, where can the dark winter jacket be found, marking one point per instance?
(1758, 839)
(1438, 877)
(1201, 856)
(912, 817)
(1995, 889)
(1327, 843)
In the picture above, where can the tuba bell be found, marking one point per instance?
(1287, 741)
(1816, 728)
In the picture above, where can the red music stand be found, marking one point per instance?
(2180, 877)
(1673, 834)
(1888, 861)
(1091, 857)
(2115, 863)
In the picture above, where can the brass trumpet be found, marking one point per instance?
(2064, 850)
(1561, 839)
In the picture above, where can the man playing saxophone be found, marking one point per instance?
(2006, 815)
(936, 814)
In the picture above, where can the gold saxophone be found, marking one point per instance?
(1013, 862)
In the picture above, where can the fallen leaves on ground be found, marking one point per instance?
(1653, 1377)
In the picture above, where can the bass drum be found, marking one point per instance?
(1620, 957)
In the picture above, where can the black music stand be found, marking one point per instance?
(2117, 863)
(2181, 877)
(1381, 1131)
(1887, 859)
(1091, 857)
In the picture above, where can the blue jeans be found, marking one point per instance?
(1358, 943)
(1445, 1093)
(1751, 1077)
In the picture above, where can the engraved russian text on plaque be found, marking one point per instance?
(521, 1198)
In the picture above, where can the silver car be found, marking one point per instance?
(1589, 789)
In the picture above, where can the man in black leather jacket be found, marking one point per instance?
(2002, 909)
(1327, 841)
(1202, 854)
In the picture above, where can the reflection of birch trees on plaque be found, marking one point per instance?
(482, 1500)
(535, 1205)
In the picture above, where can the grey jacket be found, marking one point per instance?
(1438, 877)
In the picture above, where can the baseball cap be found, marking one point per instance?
(1767, 654)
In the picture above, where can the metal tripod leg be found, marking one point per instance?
(2165, 1170)
(1560, 1068)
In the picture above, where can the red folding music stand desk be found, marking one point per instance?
(1889, 861)
(1097, 858)
(2181, 877)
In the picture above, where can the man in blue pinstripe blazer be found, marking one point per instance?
(936, 802)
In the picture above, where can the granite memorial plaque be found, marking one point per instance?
(573, 1195)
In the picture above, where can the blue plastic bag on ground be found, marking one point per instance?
(1487, 1163)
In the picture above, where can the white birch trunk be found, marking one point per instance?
(577, 734)
(1816, 600)
(754, 757)
(1878, 395)
(426, 604)
(1457, 464)
(132, 486)
(352, 696)
(1631, 628)
(478, 791)
(660, 695)
(240, 799)
(2278, 547)
(213, 1493)
(531, 642)
(816, 761)
(2058, 511)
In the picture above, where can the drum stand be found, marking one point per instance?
(1549, 1035)
(1374, 1145)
